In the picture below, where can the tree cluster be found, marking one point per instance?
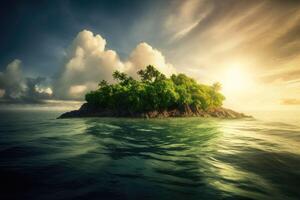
(154, 91)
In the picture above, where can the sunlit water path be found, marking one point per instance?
(185, 158)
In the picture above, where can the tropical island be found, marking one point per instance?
(154, 95)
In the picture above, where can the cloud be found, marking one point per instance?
(185, 16)
(14, 86)
(88, 62)
(2, 92)
(144, 55)
(263, 32)
(12, 80)
(207, 39)
(290, 102)
(286, 76)
(37, 89)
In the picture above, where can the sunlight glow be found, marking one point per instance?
(77, 89)
(236, 79)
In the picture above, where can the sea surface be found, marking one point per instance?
(42, 158)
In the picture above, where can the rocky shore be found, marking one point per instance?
(87, 110)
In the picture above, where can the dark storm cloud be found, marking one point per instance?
(32, 93)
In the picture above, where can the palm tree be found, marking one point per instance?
(217, 86)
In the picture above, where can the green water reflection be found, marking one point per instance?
(184, 158)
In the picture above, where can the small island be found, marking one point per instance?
(154, 95)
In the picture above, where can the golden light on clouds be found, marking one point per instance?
(290, 101)
(251, 47)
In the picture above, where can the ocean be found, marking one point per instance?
(42, 157)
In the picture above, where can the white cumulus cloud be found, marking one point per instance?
(144, 55)
(88, 62)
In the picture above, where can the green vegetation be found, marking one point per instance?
(154, 91)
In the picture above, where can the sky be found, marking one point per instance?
(59, 50)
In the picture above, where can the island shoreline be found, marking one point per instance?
(88, 110)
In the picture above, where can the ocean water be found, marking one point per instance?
(42, 157)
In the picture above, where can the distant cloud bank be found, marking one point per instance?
(14, 86)
(290, 102)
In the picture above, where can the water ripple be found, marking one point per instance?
(180, 158)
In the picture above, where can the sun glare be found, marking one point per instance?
(236, 79)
